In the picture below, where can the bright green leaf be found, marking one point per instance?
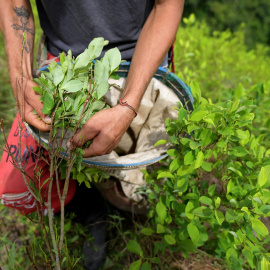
(169, 239)
(161, 211)
(259, 227)
(193, 233)
(199, 160)
(134, 247)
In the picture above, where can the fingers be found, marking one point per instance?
(33, 99)
(29, 100)
(101, 145)
(33, 119)
(105, 128)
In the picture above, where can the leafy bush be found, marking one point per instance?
(213, 189)
(218, 62)
(221, 15)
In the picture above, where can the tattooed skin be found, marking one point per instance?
(20, 25)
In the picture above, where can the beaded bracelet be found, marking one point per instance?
(119, 101)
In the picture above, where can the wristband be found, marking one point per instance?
(119, 101)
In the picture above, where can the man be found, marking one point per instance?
(143, 31)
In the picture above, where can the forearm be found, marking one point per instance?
(154, 42)
(17, 26)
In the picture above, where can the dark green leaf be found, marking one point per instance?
(135, 265)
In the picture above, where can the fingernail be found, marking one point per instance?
(47, 120)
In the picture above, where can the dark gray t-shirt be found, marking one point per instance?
(72, 24)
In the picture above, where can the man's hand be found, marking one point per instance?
(105, 128)
(29, 100)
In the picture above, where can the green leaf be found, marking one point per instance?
(175, 164)
(160, 142)
(189, 208)
(12, 255)
(160, 228)
(182, 114)
(161, 211)
(165, 175)
(135, 265)
(194, 145)
(81, 177)
(217, 202)
(211, 189)
(102, 89)
(72, 86)
(101, 73)
(264, 264)
(248, 255)
(262, 178)
(48, 103)
(235, 105)
(196, 92)
(147, 231)
(172, 153)
(146, 266)
(58, 75)
(193, 233)
(199, 160)
(96, 46)
(231, 215)
(219, 216)
(188, 158)
(112, 59)
(169, 239)
(205, 200)
(83, 60)
(134, 247)
(37, 90)
(259, 227)
(207, 166)
(197, 116)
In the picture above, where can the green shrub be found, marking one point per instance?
(220, 61)
(229, 14)
(213, 190)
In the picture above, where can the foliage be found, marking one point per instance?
(222, 216)
(219, 62)
(72, 92)
(22, 234)
(230, 14)
(69, 91)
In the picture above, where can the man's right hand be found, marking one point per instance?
(28, 101)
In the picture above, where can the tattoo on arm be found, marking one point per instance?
(20, 25)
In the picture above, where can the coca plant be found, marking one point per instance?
(213, 190)
(72, 92)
